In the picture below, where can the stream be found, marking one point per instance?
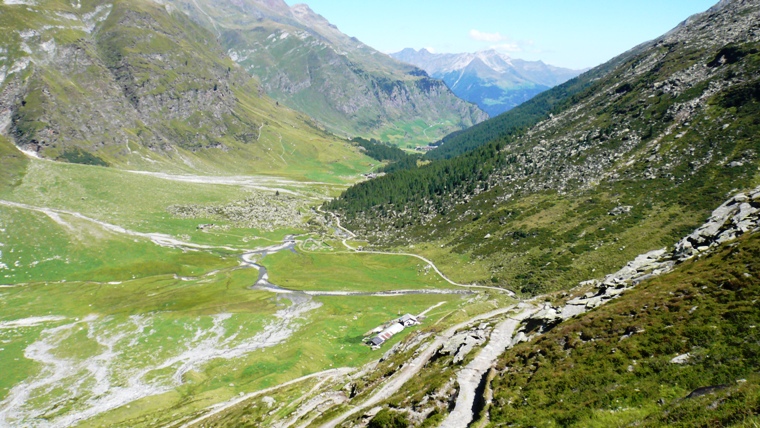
(253, 258)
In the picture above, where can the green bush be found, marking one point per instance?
(387, 419)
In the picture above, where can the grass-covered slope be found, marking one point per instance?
(627, 164)
(613, 366)
(14, 164)
(139, 85)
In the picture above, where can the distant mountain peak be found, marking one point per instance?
(492, 79)
(303, 11)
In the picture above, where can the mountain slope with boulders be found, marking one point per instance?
(619, 161)
(490, 79)
(137, 84)
(306, 63)
(669, 340)
(680, 350)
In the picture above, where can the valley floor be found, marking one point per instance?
(180, 306)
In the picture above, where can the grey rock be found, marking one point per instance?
(729, 221)
(569, 311)
(547, 313)
(623, 209)
(463, 343)
(594, 302)
(519, 338)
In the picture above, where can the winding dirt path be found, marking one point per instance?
(430, 263)
(445, 278)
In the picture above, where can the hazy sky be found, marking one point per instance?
(569, 33)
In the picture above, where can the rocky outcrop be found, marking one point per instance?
(464, 342)
(737, 216)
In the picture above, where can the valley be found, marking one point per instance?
(212, 214)
(113, 309)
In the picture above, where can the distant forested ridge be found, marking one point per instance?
(380, 151)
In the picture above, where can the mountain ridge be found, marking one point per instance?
(138, 84)
(306, 63)
(491, 79)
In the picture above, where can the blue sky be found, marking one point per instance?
(568, 33)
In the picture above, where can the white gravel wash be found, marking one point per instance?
(29, 322)
(105, 381)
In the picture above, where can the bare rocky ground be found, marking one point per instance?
(259, 210)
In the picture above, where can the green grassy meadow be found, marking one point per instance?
(415, 133)
(100, 326)
(358, 272)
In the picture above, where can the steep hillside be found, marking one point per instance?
(680, 350)
(14, 164)
(135, 84)
(624, 163)
(305, 62)
(492, 80)
(518, 120)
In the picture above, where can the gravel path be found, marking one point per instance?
(430, 263)
(445, 278)
(470, 377)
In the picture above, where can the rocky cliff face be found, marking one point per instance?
(494, 81)
(95, 80)
(307, 63)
